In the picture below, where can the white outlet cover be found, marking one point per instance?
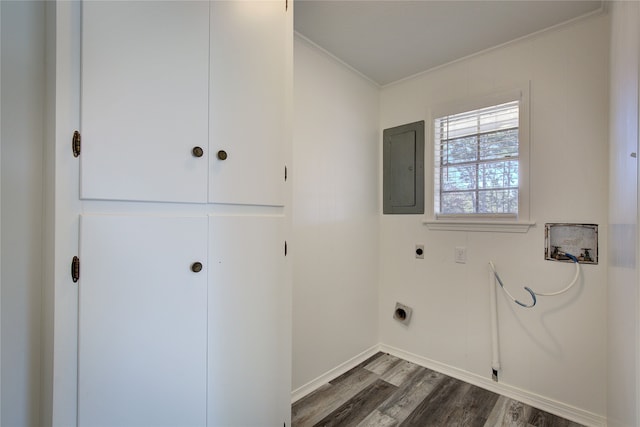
(461, 255)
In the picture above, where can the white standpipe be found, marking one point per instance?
(495, 352)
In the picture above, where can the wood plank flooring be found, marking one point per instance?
(385, 391)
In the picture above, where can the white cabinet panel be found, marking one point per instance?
(145, 80)
(142, 342)
(248, 83)
(155, 83)
(248, 323)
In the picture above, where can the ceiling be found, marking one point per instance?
(390, 40)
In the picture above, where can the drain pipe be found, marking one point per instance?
(495, 353)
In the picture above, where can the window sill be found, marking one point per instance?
(485, 226)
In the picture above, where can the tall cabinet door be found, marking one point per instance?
(144, 109)
(249, 352)
(248, 92)
(142, 340)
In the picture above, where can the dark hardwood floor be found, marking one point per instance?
(386, 391)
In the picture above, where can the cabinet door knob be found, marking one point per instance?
(197, 151)
(196, 267)
(222, 155)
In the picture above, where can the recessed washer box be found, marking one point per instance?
(579, 240)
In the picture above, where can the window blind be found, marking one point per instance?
(476, 161)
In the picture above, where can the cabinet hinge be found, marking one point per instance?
(285, 248)
(75, 269)
(75, 143)
(285, 173)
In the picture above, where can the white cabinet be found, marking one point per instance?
(248, 321)
(161, 78)
(159, 344)
(248, 86)
(142, 352)
(145, 79)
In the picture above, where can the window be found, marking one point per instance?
(480, 163)
(477, 161)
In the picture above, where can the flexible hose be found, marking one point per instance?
(533, 294)
(570, 285)
(495, 347)
(542, 294)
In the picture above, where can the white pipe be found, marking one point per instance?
(495, 353)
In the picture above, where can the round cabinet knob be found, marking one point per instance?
(197, 151)
(196, 267)
(222, 155)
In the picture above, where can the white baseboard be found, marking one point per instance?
(313, 385)
(554, 407)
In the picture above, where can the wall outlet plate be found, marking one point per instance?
(460, 255)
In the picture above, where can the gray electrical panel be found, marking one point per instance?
(403, 169)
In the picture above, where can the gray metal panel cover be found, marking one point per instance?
(403, 169)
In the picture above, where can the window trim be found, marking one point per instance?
(519, 223)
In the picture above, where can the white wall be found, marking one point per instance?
(335, 214)
(623, 371)
(0, 217)
(48, 223)
(22, 151)
(556, 350)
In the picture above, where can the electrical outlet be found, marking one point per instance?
(461, 255)
(420, 251)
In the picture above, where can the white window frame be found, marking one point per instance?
(520, 222)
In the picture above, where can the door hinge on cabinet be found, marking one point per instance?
(75, 143)
(75, 269)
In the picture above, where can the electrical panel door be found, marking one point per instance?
(403, 169)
